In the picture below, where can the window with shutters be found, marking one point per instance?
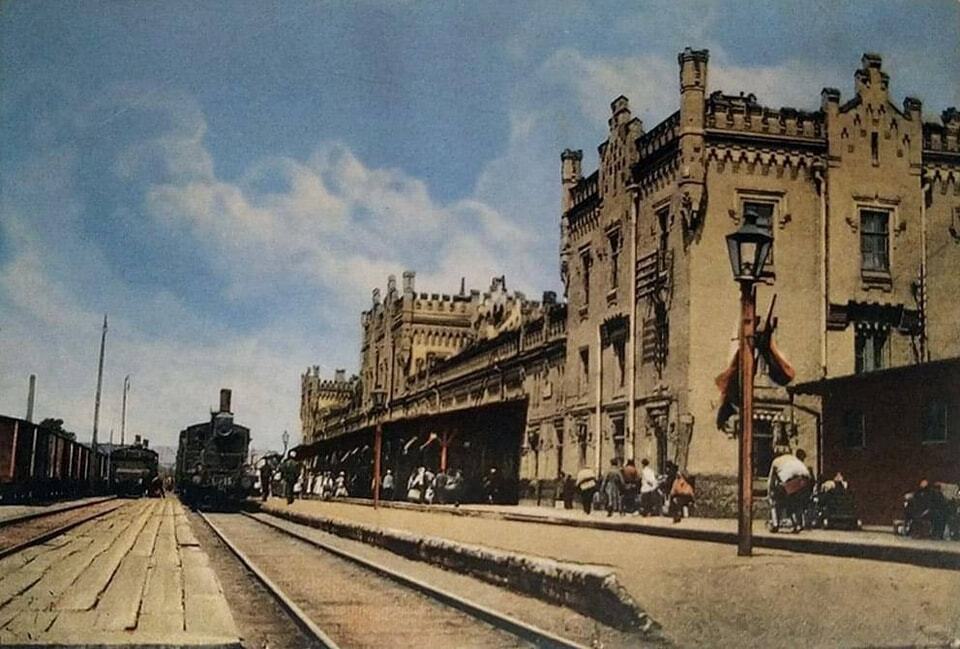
(875, 240)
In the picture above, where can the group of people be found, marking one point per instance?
(426, 487)
(928, 512)
(324, 485)
(630, 490)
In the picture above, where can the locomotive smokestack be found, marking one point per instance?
(225, 400)
(31, 393)
(146, 443)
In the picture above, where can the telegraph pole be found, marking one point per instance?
(31, 393)
(96, 407)
(123, 415)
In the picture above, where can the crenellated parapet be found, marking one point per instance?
(658, 139)
(744, 114)
(945, 136)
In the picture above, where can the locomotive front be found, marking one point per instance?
(212, 469)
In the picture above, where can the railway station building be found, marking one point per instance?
(862, 197)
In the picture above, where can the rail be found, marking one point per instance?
(45, 535)
(527, 632)
(288, 605)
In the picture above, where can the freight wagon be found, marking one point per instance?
(42, 464)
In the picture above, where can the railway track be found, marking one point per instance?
(38, 527)
(339, 599)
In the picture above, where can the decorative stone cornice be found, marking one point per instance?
(751, 160)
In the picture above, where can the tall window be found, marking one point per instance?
(871, 349)
(619, 438)
(582, 441)
(663, 218)
(615, 246)
(765, 215)
(934, 422)
(584, 369)
(619, 349)
(875, 240)
(585, 263)
(854, 429)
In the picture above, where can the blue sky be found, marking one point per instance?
(229, 180)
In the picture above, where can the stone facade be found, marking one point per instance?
(862, 198)
(320, 397)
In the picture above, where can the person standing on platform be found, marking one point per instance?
(492, 486)
(613, 488)
(388, 485)
(586, 485)
(454, 487)
(290, 472)
(631, 487)
(648, 488)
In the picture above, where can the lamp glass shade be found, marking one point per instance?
(748, 249)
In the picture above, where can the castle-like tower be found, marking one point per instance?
(861, 197)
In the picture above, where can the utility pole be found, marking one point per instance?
(31, 393)
(96, 407)
(123, 415)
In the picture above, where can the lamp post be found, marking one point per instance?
(748, 248)
(286, 440)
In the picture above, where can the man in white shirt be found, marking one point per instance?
(788, 489)
(648, 488)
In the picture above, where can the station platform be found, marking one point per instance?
(135, 577)
(700, 593)
(873, 542)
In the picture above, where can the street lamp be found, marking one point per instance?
(748, 248)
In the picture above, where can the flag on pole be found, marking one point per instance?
(779, 369)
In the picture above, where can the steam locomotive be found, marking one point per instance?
(133, 470)
(211, 470)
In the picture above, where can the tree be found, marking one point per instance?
(56, 425)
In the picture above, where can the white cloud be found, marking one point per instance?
(340, 225)
(649, 82)
(330, 225)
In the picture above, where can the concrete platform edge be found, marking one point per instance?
(923, 557)
(589, 590)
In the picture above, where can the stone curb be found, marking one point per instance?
(588, 589)
(925, 557)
